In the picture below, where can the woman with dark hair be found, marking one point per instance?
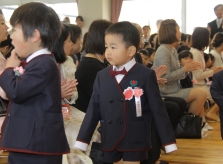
(91, 63)
(217, 43)
(76, 39)
(166, 54)
(200, 40)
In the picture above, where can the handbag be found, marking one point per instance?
(96, 154)
(189, 126)
(3, 107)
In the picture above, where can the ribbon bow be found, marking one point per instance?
(114, 73)
(23, 63)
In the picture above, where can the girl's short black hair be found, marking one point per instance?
(128, 32)
(37, 16)
(144, 52)
(182, 48)
(206, 57)
(217, 40)
(95, 42)
(200, 38)
(75, 32)
(184, 54)
(58, 49)
(151, 51)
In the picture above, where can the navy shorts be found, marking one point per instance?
(115, 156)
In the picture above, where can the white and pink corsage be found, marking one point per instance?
(137, 92)
(18, 71)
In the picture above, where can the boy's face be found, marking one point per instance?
(67, 46)
(183, 61)
(23, 47)
(3, 29)
(116, 52)
(145, 59)
(146, 31)
(79, 22)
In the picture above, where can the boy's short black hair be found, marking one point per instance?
(80, 18)
(182, 48)
(144, 52)
(151, 51)
(129, 33)
(184, 54)
(37, 16)
(58, 49)
(75, 32)
(146, 26)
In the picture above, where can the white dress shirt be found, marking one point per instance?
(37, 53)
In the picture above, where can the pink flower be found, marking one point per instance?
(138, 92)
(18, 71)
(128, 93)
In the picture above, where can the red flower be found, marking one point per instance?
(128, 93)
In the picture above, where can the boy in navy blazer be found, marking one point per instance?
(33, 130)
(126, 100)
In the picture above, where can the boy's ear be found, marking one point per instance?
(132, 50)
(36, 36)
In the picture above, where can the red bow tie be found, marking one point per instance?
(114, 73)
(23, 63)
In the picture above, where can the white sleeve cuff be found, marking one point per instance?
(72, 99)
(80, 145)
(170, 148)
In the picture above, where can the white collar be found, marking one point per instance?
(127, 66)
(38, 53)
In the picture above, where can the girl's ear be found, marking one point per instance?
(36, 36)
(131, 51)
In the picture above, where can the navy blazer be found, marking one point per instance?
(214, 28)
(120, 128)
(216, 91)
(34, 122)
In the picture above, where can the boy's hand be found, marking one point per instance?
(13, 60)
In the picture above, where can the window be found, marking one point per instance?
(147, 12)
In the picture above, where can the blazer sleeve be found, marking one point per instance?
(92, 116)
(216, 91)
(158, 111)
(163, 57)
(21, 88)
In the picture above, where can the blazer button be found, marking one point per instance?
(120, 121)
(9, 114)
(110, 121)
(121, 100)
(110, 100)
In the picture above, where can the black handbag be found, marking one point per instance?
(189, 126)
(96, 154)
